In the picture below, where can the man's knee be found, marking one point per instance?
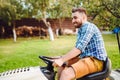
(68, 74)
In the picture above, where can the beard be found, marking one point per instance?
(77, 25)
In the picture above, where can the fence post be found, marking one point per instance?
(117, 35)
(116, 30)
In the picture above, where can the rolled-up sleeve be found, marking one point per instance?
(84, 35)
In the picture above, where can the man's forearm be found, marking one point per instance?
(73, 53)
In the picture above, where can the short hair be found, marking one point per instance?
(80, 10)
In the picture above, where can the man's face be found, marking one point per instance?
(76, 19)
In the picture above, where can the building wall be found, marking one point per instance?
(34, 27)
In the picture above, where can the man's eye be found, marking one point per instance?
(75, 17)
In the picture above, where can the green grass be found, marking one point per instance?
(25, 51)
(112, 50)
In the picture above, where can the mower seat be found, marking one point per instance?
(99, 75)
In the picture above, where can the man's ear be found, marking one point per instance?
(84, 17)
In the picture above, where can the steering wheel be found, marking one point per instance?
(47, 60)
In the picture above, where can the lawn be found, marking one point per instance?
(25, 51)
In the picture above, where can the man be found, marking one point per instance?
(89, 47)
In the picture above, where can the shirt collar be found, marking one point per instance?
(85, 23)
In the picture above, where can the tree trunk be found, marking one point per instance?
(49, 29)
(57, 32)
(50, 33)
(60, 25)
(14, 33)
(3, 32)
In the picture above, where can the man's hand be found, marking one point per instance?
(71, 54)
(58, 62)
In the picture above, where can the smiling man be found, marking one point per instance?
(89, 52)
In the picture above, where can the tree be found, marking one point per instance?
(7, 13)
(60, 10)
(113, 7)
(40, 7)
(45, 4)
(104, 13)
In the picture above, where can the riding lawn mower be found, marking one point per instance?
(48, 72)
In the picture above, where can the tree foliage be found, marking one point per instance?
(102, 12)
(7, 11)
(113, 7)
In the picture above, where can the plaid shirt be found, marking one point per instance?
(90, 42)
